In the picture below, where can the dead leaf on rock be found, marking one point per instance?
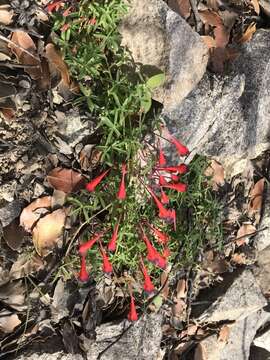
(217, 173)
(8, 321)
(6, 15)
(222, 36)
(224, 334)
(243, 232)
(47, 233)
(164, 282)
(247, 36)
(66, 180)
(30, 214)
(56, 61)
(25, 49)
(181, 289)
(256, 199)
(239, 259)
(209, 41)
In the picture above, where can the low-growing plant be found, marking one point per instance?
(140, 211)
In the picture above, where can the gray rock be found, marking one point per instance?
(262, 270)
(237, 346)
(241, 298)
(161, 40)
(141, 341)
(229, 116)
(262, 238)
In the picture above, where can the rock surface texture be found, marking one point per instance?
(229, 116)
(140, 341)
(161, 40)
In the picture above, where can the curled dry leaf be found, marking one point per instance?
(239, 259)
(181, 289)
(6, 15)
(8, 321)
(244, 231)
(256, 198)
(30, 214)
(26, 52)
(66, 180)
(12, 294)
(56, 61)
(217, 173)
(47, 233)
(247, 36)
(210, 17)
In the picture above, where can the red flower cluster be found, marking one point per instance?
(168, 178)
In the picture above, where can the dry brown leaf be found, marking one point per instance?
(256, 199)
(6, 15)
(13, 294)
(178, 307)
(192, 329)
(24, 266)
(8, 321)
(181, 289)
(239, 259)
(217, 173)
(165, 282)
(210, 17)
(256, 6)
(247, 36)
(30, 213)
(200, 353)
(55, 60)
(13, 234)
(224, 334)
(209, 41)
(243, 232)
(47, 233)
(182, 7)
(66, 180)
(25, 47)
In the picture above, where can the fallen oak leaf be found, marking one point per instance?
(216, 171)
(47, 232)
(8, 321)
(55, 60)
(29, 216)
(66, 180)
(6, 15)
(210, 17)
(256, 6)
(25, 50)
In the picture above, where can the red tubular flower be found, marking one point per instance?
(93, 183)
(148, 285)
(65, 27)
(162, 180)
(152, 254)
(178, 187)
(164, 197)
(112, 243)
(163, 212)
(161, 160)
(55, 5)
(88, 244)
(182, 168)
(83, 276)
(174, 177)
(132, 315)
(122, 190)
(182, 149)
(107, 266)
(67, 11)
(166, 252)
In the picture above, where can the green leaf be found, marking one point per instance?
(146, 102)
(156, 81)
